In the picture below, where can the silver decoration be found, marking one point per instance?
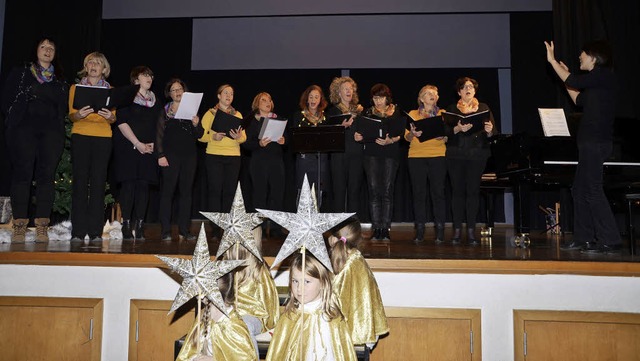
(238, 226)
(306, 227)
(200, 275)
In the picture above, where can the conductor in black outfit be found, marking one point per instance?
(594, 228)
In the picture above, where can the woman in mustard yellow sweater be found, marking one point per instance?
(427, 166)
(90, 152)
(223, 153)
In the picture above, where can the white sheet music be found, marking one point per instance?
(189, 105)
(554, 122)
(272, 129)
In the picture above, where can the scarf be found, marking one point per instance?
(428, 113)
(102, 83)
(468, 108)
(353, 109)
(231, 110)
(145, 101)
(391, 108)
(41, 74)
(167, 109)
(313, 119)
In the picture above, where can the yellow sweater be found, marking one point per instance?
(427, 149)
(93, 125)
(226, 146)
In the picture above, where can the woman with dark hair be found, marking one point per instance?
(381, 160)
(134, 161)
(223, 153)
(346, 168)
(594, 227)
(177, 158)
(312, 105)
(467, 154)
(266, 166)
(90, 152)
(34, 105)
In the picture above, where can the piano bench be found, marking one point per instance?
(631, 199)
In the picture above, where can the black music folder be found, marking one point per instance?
(337, 119)
(476, 119)
(99, 97)
(370, 128)
(431, 128)
(224, 122)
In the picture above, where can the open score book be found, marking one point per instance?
(554, 123)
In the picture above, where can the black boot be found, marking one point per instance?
(419, 234)
(456, 236)
(376, 234)
(385, 234)
(439, 232)
(139, 229)
(471, 238)
(126, 230)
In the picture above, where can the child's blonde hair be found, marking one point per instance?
(225, 285)
(252, 267)
(315, 269)
(348, 238)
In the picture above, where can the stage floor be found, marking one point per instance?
(495, 254)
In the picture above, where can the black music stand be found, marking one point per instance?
(320, 139)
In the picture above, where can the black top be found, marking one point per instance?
(597, 98)
(176, 137)
(272, 150)
(350, 144)
(129, 163)
(473, 144)
(26, 102)
(394, 126)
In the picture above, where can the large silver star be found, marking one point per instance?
(238, 226)
(305, 227)
(199, 274)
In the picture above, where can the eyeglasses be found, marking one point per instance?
(468, 86)
(177, 90)
(378, 98)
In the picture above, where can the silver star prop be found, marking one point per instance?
(238, 226)
(199, 274)
(306, 227)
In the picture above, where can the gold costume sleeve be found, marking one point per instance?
(260, 299)
(229, 338)
(360, 300)
(285, 344)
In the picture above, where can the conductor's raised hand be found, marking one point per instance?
(551, 57)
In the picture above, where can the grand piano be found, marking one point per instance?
(526, 163)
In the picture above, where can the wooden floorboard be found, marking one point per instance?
(495, 254)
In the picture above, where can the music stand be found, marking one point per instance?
(320, 139)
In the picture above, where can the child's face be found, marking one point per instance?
(312, 287)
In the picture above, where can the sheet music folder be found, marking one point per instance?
(432, 127)
(321, 139)
(476, 119)
(224, 122)
(99, 97)
(370, 128)
(337, 119)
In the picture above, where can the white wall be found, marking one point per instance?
(496, 295)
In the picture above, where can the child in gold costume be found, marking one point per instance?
(221, 337)
(356, 287)
(312, 326)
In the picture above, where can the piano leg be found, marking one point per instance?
(522, 213)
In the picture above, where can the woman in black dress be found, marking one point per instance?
(312, 105)
(134, 159)
(467, 154)
(34, 104)
(381, 159)
(177, 158)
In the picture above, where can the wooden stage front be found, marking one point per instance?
(495, 254)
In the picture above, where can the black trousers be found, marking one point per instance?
(34, 155)
(381, 175)
(134, 196)
(593, 218)
(465, 176)
(222, 180)
(428, 174)
(267, 179)
(181, 173)
(90, 158)
(346, 178)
